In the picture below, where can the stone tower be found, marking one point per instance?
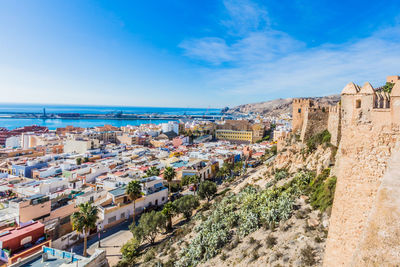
(299, 106)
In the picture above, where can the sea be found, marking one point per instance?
(52, 124)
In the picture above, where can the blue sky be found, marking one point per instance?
(209, 53)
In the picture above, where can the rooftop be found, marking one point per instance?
(118, 191)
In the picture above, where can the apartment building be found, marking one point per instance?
(35, 207)
(121, 207)
(234, 135)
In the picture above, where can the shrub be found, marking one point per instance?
(125, 263)
(223, 257)
(175, 187)
(235, 243)
(301, 214)
(323, 137)
(130, 249)
(271, 241)
(150, 255)
(281, 174)
(169, 263)
(279, 255)
(308, 256)
(388, 87)
(318, 239)
(205, 206)
(252, 240)
(254, 255)
(322, 191)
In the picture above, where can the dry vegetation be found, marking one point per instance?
(270, 218)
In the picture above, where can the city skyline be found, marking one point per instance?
(208, 54)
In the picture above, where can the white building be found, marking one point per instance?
(13, 142)
(171, 126)
(121, 208)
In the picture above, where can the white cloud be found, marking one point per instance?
(263, 62)
(210, 49)
(244, 16)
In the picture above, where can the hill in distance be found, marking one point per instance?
(279, 106)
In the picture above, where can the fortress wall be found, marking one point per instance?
(365, 221)
(380, 117)
(334, 124)
(380, 242)
(315, 121)
(361, 162)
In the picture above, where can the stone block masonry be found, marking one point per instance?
(365, 220)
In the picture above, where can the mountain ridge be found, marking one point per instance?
(279, 106)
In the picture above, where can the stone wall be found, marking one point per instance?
(334, 124)
(361, 162)
(315, 121)
(380, 241)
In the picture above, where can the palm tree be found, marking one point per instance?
(134, 191)
(83, 220)
(169, 175)
(153, 171)
(169, 212)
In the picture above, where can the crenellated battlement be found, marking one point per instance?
(334, 109)
(302, 101)
(367, 104)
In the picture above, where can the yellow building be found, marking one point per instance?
(233, 135)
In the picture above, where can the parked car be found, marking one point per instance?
(175, 196)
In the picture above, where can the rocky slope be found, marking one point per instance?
(297, 240)
(279, 106)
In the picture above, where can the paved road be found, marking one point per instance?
(78, 248)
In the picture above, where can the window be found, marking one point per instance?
(112, 219)
(299, 110)
(358, 103)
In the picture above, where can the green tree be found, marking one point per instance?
(169, 212)
(78, 161)
(274, 150)
(192, 179)
(150, 224)
(169, 175)
(238, 167)
(153, 171)
(223, 172)
(134, 191)
(130, 250)
(83, 220)
(207, 190)
(388, 87)
(186, 205)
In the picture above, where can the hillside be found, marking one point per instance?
(274, 215)
(279, 106)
